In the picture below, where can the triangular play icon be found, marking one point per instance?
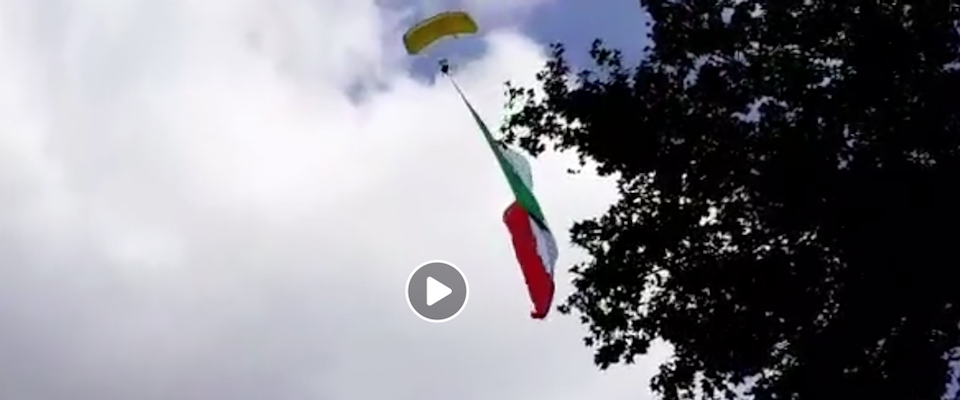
(436, 291)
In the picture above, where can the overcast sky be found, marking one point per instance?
(193, 206)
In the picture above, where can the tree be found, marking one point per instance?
(788, 179)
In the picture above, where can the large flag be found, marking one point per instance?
(534, 245)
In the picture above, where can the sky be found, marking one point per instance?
(576, 24)
(224, 199)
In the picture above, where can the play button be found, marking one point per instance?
(437, 291)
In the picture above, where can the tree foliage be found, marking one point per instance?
(788, 179)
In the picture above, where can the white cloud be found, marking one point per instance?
(500, 9)
(192, 208)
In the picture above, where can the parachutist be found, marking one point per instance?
(444, 67)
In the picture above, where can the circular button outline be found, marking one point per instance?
(466, 296)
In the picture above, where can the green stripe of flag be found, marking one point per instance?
(522, 191)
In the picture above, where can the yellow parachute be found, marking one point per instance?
(430, 30)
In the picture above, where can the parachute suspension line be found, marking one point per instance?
(476, 117)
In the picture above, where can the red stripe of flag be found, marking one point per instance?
(539, 282)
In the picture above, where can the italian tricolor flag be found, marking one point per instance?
(534, 245)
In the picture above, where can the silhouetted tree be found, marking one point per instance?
(788, 175)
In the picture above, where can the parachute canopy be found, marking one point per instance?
(430, 30)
